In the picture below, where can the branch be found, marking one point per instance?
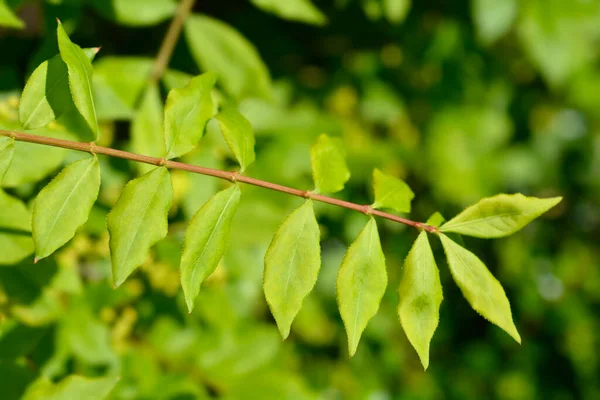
(230, 176)
(168, 44)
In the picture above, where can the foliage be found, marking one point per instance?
(422, 109)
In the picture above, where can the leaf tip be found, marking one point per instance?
(36, 259)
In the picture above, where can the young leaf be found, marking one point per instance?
(79, 69)
(15, 230)
(478, 285)
(206, 240)
(7, 151)
(72, 387)
(391, 192)
(46, 95)
(361, 283)
(293, 10)
(187, 111)
(499, 216)
(218, 47)
(8, 17)
(329, 168)
(64, 205)
(436, 219)
(292, 265)
(420, 294)
(238, 134)
(147, 127)
(138, 220)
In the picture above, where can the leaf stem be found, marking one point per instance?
(233, 176)
(170, 39)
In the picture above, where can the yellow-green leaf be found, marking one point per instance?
(72, 387)
(206, 241)
(8, 17)
(391, 192)
(292, 265)
(420, 294)
(436, 219)
(79, 69)
(187, 111)
(293, 10)
(15, 230)
(329, 168)
(135, 13)
(64, 205)
(478, 285)
(46, 95)
(361, 283)
(499, 216)
(7, 151)
(147, 135)
(238, 134)
(138, 220)
(218, 47)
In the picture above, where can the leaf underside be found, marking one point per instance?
(361, 283)
(292, 265)
(138, 220)
(420, 294)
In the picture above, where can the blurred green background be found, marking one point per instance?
(462, 99)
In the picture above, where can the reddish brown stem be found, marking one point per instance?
(230, 176)
(170, 40)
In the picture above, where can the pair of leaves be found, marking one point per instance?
(187, 112)
(420, 290)
(59, 84)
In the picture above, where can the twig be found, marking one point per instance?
(168, 44)
(230, 176)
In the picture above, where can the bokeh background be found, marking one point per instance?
(462, 99)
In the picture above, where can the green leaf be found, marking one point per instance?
(118, 84)
(218, 47)
(292, 265)
(361, 283)
(499, 216)
(238, 134)
(135, 12)
(138, 220)
(206, 241)
(147, 127)
(391, 192)
(396, 10)
(64, 205)
(7, 151)
(187, 111)
(435, 220)
(478, 285)
(8, 17)
(72, 387)
(293, 10)
(420, 294)
(329, 168)
(15, 230)
(493, 18)
(46, 95)
(79, 69)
